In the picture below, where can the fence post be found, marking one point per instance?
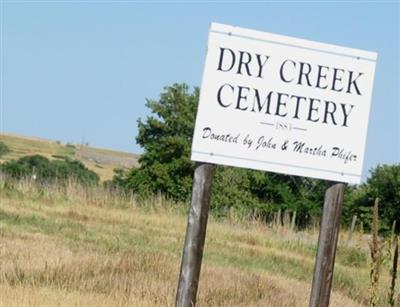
(293, 221)
(353, 225)
(279, 219)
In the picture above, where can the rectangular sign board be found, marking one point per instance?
(282, 104)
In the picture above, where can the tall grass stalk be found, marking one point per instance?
(393, 272)
(392, 239)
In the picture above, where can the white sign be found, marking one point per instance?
(282, 104)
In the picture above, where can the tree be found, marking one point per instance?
(166, 137)
(383, 183)
(165, 166)
(291, 193)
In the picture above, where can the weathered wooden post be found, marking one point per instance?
(327, 242)
(195, 236)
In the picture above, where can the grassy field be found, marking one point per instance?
(102, 161)
(71, 246)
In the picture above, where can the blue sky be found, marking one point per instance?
(73, 70)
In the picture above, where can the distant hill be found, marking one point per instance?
(102, 161)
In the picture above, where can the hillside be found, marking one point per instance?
(101, 161)
(68, 246)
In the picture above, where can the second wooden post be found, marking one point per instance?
(327, 243)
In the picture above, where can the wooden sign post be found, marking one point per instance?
(195, 236)
(327, 243)
(285, 105)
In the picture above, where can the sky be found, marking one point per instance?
(78, 71)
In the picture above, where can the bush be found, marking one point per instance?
(44, 170)
(4, 149)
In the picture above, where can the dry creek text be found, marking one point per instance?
(298, 74)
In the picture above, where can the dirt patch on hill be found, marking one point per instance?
(102, 157)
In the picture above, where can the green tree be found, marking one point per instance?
(231, 189)
(383, 183)
(166, 137)
(165, 166)
(292, 193)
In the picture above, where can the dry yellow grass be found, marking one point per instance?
(70, 246)
(41, 272)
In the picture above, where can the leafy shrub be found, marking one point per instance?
(46, 170)
(4, 149)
